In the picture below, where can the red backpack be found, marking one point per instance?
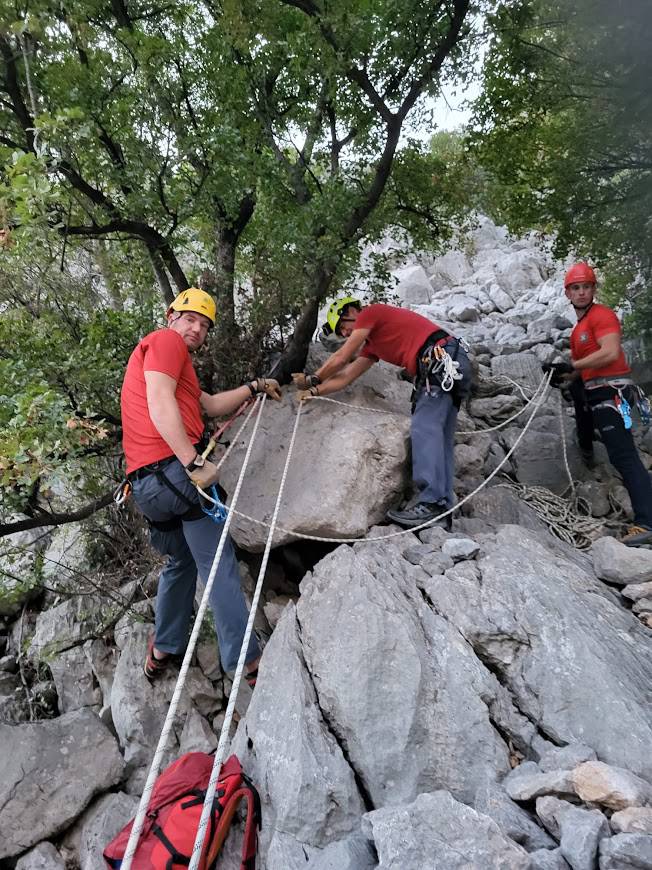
(173, 814)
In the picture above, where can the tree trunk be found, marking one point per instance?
(161, 274)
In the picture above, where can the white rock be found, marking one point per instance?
(460, 548)
(609, 786)
(41, 857)
(413, 287)
(616, 563)
(632, 820)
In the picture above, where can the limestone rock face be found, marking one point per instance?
(307, 783)
(437, 831)
(51, 770)
(348, 467)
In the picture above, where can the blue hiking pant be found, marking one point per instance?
(190, 549)
(433, 434)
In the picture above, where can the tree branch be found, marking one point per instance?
(56, 519)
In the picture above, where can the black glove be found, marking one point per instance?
(559, 370)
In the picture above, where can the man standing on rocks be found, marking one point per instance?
(441, 373)
(162, 405)
(598, 359)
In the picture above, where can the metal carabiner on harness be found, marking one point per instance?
(122, 492)
(217, 511)
(624, 409)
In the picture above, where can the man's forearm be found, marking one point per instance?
(333, 365)
(595, 360)
(220, 404)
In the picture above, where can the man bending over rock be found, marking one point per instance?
(427, 352)
(162, 405)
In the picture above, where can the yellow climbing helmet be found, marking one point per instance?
(194, 299)
(335, 312)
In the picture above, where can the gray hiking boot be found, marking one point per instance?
(420, 513)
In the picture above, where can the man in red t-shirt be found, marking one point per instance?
(440, 370)
(162, 405)
(597, 358)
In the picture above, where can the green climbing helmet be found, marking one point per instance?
(335, 312)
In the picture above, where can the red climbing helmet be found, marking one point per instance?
(578, 273)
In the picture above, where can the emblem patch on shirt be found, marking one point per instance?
(584, 336)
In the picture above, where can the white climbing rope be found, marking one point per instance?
(528, 402)
(167, 725)
(224, 733)
(537, 401)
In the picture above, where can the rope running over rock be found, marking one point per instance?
(536, 401)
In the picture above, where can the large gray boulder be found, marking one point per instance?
(348, 467)
(436, 831)
(308, 786)
(99, 825)
(365, 626)
(51, 771)
(139, 708)
(573, 660)
(41, 857)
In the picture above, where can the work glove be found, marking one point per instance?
(303, 382)
(204, 475)
(559, 372)
(310, 393)
(268, 386)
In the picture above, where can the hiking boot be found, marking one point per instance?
(637, 536)
(153, 667)
(422, 512)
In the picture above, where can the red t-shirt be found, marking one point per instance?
(161, 351)
(596, 323)
(396, 334)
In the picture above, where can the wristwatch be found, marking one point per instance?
(197, 462)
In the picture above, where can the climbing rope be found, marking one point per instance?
(567, 517)
(167, 725)
(536, 401)
(228, 717)
(528, 402)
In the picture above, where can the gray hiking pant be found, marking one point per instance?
(433, 435)
(190, 550)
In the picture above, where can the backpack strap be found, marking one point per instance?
(175, 857)
(253, 823)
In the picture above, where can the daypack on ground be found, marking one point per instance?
(173, 814)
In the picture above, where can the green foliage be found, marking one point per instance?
(137, 140)
(62, 357)
(564, 125)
